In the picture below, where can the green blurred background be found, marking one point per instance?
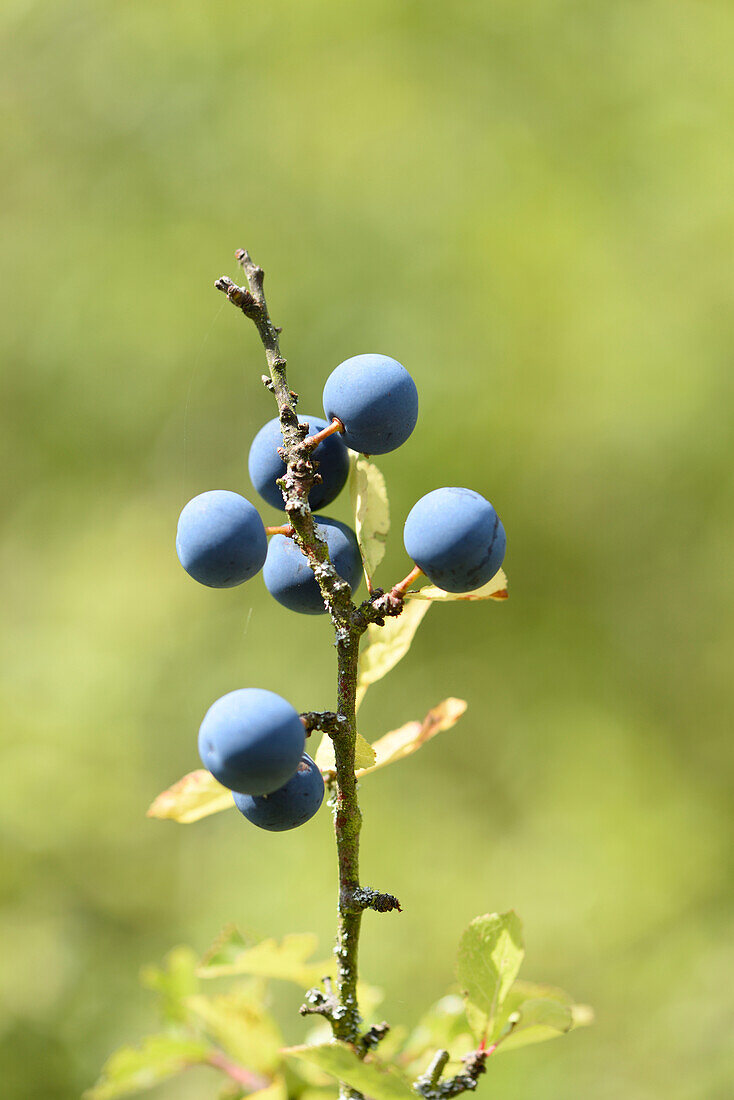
(531, 206)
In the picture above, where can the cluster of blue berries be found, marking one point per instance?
(252, 741)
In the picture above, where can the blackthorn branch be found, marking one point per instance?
(339, 1006)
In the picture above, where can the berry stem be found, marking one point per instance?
(402, 586)
(313, 441)
(285, 529)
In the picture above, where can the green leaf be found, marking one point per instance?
(537, 1020)
(384, 646)
(173, 982)
(371, 512)
(223, 951)
(370, 1077)
(131, 1069)
(195, 796)
(287, 960)
(496, 589)
(490, 956)
(443, 1027)
(533, 1013)
(239, 1024)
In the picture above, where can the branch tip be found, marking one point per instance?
(325, 720)
(365, 898)
(430, 1086)
(374, 1035)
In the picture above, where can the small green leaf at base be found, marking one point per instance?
(490, 955)
(287, 960)
(443, 1027)
(173, 982)
(370, 1077)
(239, 1024)
(132, 1069)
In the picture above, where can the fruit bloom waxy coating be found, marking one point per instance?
(376, 400)
(291, 805)
(289, 578)
(251, 740)
(266, 465)
(456, 538)
(221, 539)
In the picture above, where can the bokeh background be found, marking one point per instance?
(531, 206)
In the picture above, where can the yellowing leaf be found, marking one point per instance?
(195, 796)
(242, 1027)
(496, 589)
(364, 755)
(370, 1077)
(409, 738)
(277, 1090)
(371, 512)
(131, 1069)
(324, 757)
(286, 961)
(384, 646)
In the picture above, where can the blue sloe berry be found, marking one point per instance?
(289, 578)
(266, 465)
(251, 740)
(221, 540)
(376, 400)
(456, 538)
(291, 805)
